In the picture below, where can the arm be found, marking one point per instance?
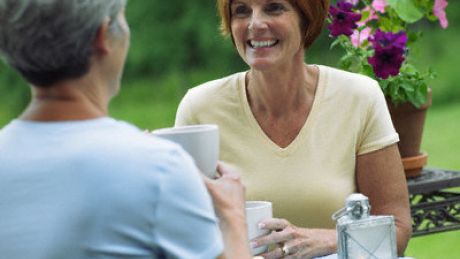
(296, 242)
(228, 197)
(380, 176)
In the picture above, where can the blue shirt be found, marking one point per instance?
(100, 189)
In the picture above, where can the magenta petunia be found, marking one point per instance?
(343, 19)
(389, 50)
(389, 39)
(439, 10)
(386, 62)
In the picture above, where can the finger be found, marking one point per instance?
(210, 184)
(274, 254)
(274, 224)
(290, 247)
(272, 238)
(227, 171)
(206, 180)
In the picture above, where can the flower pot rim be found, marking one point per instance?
(415, 162)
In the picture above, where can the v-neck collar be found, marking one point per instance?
(254, 125)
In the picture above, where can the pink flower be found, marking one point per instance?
(379, 5)
(440, 12)
(358, 37)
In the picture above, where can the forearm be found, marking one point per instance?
(234, 233)
(403, 234)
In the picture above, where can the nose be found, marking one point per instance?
(257, 21)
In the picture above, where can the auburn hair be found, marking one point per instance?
(313, 14)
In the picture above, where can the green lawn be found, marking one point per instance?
(151, 103)
(442, 143)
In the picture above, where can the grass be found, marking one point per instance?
(151, 103)
(441, 142)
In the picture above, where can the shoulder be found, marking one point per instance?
(203, 102)
(214, 90)
(349, 86)
(122, 146)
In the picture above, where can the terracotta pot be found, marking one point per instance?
(408, 122)
(413, 165)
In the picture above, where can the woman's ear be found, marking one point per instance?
(101, 43)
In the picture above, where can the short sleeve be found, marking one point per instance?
(186, 225)
(378, 131)
(184, 114)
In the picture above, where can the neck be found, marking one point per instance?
(282, 91)
(78, 99)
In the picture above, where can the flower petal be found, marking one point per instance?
(439, 10)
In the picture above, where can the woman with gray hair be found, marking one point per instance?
(76, 183)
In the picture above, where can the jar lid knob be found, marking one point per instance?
(356, 207)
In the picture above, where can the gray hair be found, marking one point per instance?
(51, 40)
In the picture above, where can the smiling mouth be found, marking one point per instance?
(262, 44)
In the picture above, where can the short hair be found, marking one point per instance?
(47, 41)
(313, 14)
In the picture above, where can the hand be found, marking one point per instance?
(295, 242)
(227, 193)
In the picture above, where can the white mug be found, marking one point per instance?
(256, 211)
(200, 141)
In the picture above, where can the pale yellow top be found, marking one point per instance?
(308, 180)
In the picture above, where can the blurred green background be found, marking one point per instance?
(176, 45)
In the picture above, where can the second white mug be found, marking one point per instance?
(256, 211)
(200, 141)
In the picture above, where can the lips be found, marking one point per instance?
(262, 44)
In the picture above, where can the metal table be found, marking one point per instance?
(435, 206)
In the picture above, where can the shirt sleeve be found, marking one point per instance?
(378, 131)
(186, 223)
(184, 114)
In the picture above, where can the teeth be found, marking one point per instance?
(262, 44)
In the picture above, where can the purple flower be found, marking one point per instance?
(389, 49)
(389, 39)
(344, 19)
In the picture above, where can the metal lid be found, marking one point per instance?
(356, 207)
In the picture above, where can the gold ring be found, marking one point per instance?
(285, 250)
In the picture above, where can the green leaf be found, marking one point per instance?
(408, 87)
(337, 41)
(364, 15)
(368, 70)
(407, 10)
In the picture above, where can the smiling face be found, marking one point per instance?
(266, 33)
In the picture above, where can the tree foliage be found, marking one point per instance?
(177, 36)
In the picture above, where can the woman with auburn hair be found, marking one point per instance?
(76, 183)
(304, 136)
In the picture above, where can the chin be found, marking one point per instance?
(261, 65)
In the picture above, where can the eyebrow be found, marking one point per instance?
(233, 2)
(236, 2)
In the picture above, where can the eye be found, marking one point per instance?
(275, 8)
(240, 10)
